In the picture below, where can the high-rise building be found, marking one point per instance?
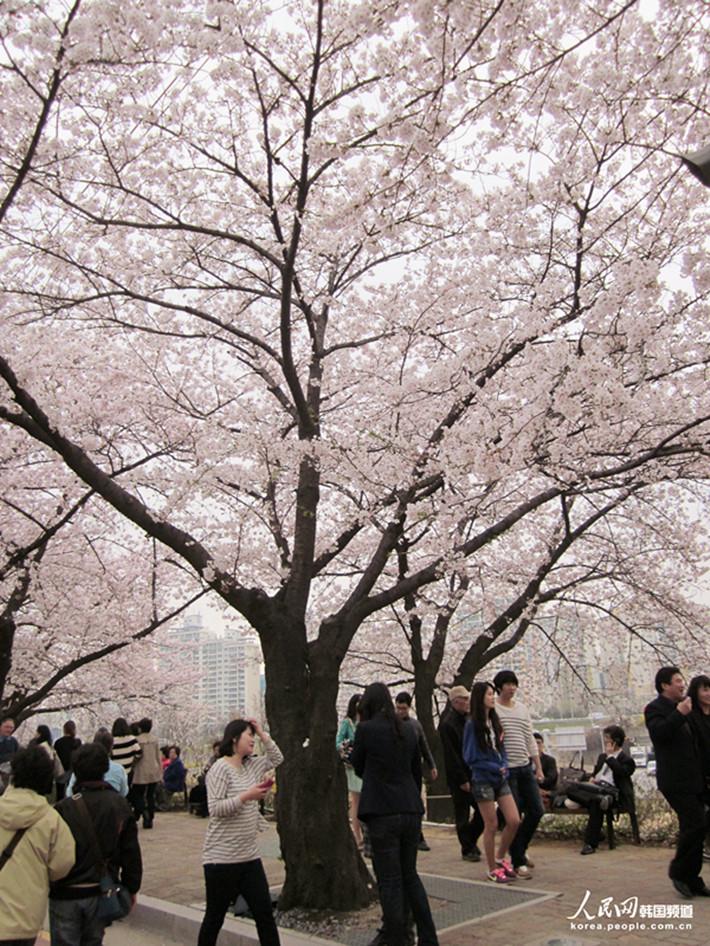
(228, 665)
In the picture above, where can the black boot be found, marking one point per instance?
(147, 821)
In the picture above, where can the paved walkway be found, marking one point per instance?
(172, 856)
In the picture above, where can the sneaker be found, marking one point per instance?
(473, 856)
(523, 872)
(423, 846)
(498, 876)
(507, 868)
(706, 853)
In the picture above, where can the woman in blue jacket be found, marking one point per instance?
(484, 754)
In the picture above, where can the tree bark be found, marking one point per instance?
(324, 869)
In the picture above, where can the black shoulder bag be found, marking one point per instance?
(115, 900)
(7, 853)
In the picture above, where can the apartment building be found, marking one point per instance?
(229, 664)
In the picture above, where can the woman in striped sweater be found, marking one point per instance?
(236, 783)
(126, 748)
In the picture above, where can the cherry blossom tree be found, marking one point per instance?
(601, 577)
(365, 296)
(77, 585)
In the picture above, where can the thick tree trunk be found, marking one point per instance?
(323, 867)
(424, 681)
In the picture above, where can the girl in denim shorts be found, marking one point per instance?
(484, 754)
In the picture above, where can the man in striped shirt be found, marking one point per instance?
(524, 764)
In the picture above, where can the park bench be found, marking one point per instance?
(440, 810)
(612, 814)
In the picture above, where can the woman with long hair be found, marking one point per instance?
(484, 754)
(699, 719)
(344, 744)
(236, 783)
(386, 756)
(699, 693)
(43, 738)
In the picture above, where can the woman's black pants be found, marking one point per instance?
(394, 840)
(223, 884)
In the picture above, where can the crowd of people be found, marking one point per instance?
(501, 781)
(84, 850)
(494, 773)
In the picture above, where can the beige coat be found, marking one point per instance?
(148, 768)
(45, 853)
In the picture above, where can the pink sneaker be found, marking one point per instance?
(498, 876)
(507, 868)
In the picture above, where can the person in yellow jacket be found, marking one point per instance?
(44, 853)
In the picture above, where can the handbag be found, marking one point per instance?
(346, 751)
(569, 774)
(59, 774)
(582, 792)
(115, 900)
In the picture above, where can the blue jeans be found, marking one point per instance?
(394, 840)
(74, 922)
(526, 792)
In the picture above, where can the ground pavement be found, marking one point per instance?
(562, 877)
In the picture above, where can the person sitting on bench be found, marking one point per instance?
(548, 786)
(174, 775)
(610, 783)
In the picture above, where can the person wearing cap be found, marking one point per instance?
(458, 777)
(525, 770)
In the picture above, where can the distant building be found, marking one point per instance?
(229, 668)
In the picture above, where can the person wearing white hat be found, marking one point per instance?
(458, 777)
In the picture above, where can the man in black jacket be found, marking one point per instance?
(614, 769)
(680, 778)
(74, 900)
(549, 767)
(451, 727)
(403, 706)
(65, 747)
